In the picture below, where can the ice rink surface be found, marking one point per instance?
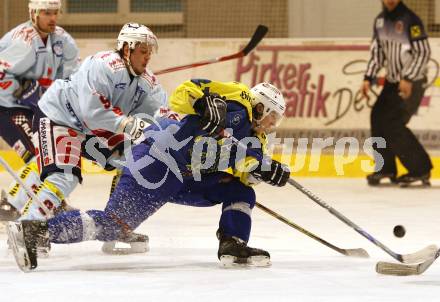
(182, 264)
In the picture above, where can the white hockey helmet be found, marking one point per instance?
(134, 33)
(44, 4)
(272, 100)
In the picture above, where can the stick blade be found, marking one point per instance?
(420, 256)
(400, 269)
(258, 35)
(358, 253)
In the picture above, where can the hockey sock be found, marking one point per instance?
(17, 196)
(236, 220)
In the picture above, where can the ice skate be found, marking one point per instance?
(24, 237)
(409, 180)
(133, 243)
(375, 178)
(235, 252)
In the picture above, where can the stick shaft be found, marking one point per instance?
(258, 35)
(344, 219)
(298, 228)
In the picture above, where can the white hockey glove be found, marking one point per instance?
(135, 129)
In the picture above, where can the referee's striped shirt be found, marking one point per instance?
(400, 45)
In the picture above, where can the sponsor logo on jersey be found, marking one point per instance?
(379, 23)
(416, 31)
(5, 85)
(398, 27)
(45, 142)
(246, 96)
(23, 122)
(121, 85)
(116, 64)
(19, 148)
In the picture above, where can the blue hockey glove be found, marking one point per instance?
(276, 175)
(29, 93)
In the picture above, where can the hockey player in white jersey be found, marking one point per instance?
(32, 56)
(100, 99)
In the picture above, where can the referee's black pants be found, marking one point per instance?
(389, 117)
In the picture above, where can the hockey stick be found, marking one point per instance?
(399, 269)
(361, 253)
(258, 35)
(416, 257)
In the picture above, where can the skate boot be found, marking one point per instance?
(375, 178)
(133, 243)
(7, 211)
(24, 237)
(233, 251)
(410, 179)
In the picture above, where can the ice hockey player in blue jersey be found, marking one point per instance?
(186, 162)
(32, 56)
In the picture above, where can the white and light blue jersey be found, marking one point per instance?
(101, 95)
(24, 56)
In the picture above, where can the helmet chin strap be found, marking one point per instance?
(128, 64)
(257, 125)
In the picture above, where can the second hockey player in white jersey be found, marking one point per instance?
(100, 99)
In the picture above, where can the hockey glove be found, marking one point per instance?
(135, 129)
(276, 175)
(29, 93)
(212, 109)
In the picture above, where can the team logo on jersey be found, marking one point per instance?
(416, 31)
(57, 48)
(379, 23)
(236, 119)
(398, 27)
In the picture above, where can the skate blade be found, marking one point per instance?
(423, 184)
(110, 248)
(20, 253)
(228, 261)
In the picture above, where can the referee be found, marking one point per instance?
(400, 45)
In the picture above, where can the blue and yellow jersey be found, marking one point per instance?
(183, 98)
(238, 118)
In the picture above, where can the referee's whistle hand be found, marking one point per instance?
(365, 88)
(405, 89)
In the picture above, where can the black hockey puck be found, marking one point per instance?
(399, 231)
